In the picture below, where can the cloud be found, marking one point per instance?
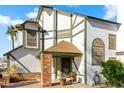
(32, 14)
(111, 12)
(7, 20)
(4, 19)
(15, 21)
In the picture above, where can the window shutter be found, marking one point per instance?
(112, 41)
(31, 38)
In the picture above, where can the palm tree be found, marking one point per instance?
(12, 32)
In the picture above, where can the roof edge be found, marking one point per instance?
(60, 52)
(12, 50)
(92, 17)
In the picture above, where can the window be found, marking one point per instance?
(112, 41)
(98, 51)
(31, 39)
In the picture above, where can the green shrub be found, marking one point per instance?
(113, 71)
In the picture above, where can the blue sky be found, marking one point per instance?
(11, 14)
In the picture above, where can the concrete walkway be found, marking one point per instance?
(76, 85)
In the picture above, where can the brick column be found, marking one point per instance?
(46, 63)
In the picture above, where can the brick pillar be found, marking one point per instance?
(46, 63)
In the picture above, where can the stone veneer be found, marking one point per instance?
(46, 63)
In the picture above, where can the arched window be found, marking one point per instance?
(98, 51)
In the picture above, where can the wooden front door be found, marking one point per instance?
(66, 65)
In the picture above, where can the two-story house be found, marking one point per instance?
(60, 42)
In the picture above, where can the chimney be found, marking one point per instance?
(19, 34)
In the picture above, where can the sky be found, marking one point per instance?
(13, 14)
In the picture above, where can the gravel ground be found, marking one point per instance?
(76, 85)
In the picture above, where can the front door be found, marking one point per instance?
(66, 65)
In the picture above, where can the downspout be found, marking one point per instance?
(42, 40)
(39, 30)
(55, 17)
(23, 29)
(42, 33)
(55, 26)
(71, 27)
(85, 52)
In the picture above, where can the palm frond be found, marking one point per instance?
(8, 31)
(11, 31)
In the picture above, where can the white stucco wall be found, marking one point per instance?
(28, 57)
(78, 41)
(120, 34)
(46, 21)
(120, 58)
(19, 37)
(49, 34)
(79, 27)
(48, 15)
(63, 18)
(65, 39)
(48, 43)
(98, 29)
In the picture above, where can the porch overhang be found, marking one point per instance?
(66, 54)
(63, 48)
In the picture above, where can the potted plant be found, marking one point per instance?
(62, 81)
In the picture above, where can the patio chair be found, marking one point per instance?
(71, 78)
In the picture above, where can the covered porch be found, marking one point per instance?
(60, 62)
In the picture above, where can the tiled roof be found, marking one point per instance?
(64, 47)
